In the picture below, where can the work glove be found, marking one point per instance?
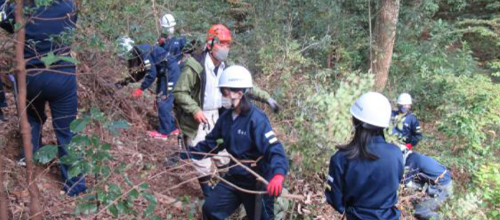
(137, 93)
(161, 41)
(200, 117)
(275, 185)
(409, 146)
(274, 105)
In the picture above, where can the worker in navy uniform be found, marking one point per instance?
(162, 67)
(247, 135)
(198, 98)
(406, 125)
(364, 175)
(55, 84)
(426, 170)
(173, 45)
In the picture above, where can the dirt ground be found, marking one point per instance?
(145, 157)
(178, 198)
(175, 188)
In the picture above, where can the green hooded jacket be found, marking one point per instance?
(189, 90)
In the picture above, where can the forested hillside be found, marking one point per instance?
(314, 57)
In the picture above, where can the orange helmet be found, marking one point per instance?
(218, 34)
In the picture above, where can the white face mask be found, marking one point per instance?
(169, 31)
(226, 103)
(229, 102)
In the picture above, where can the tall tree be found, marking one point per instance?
(385, 34)
(35, 209)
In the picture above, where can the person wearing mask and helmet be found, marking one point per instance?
(364, 175)
(406, 126)
(247, 135)
(198, 98)
(173, 45)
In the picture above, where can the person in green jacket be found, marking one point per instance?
(198, 98)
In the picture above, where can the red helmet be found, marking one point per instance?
(218, 34)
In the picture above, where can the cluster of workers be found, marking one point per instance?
(216, 122)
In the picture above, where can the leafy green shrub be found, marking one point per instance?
(316, 99)
(467, 207)
(470, 109)
(488, 182)
(450, 89)
(324, 120)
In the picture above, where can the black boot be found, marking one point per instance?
(205, 185)
(206, 188)
(2, 117)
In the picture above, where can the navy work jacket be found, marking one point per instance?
(45, 31)
(159, 65)
(408, 128)
(365, 189)
(248, 137)
(174, 47)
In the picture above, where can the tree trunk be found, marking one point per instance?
(4, 204)
(385, 34)
(35, 209)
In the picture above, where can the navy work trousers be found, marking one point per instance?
(3, 103)
(165, 106)
(438, 194)
(167, 120)
(224, 200)
(60, 91)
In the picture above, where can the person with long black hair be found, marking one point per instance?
(364, 174)
(247, 135)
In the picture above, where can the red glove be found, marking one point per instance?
(161, 41)
(409, 146)
(275, 185)
(137, 93)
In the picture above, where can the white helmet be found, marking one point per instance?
(167, 21)
(236, 77)
(125, 44)
(404, 99)
(372, 108)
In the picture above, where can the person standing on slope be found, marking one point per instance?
(55, 84)
(364, 175)
(245, 132)
(406, 125)
(198, 98)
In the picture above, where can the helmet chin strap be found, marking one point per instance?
(370, 127)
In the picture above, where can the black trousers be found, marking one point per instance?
(3, 103)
